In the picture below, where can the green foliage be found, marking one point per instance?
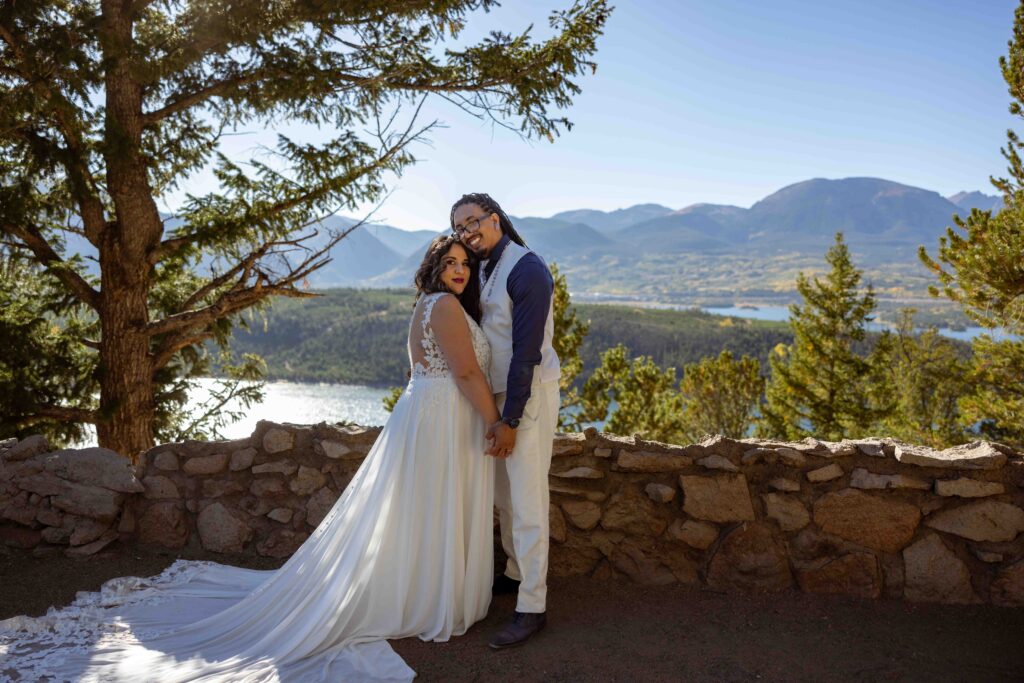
(568, 338)
(980, 265)
(108, 108)
(819, 385)
(645, 397)
(47, 377)
(920, 378)
(392, 398)
(720, 396)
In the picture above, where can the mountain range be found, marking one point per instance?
(884, 222)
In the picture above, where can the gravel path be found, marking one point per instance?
(611, 631)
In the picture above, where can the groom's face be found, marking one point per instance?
(478, 229)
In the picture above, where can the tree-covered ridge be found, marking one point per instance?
(359, 336)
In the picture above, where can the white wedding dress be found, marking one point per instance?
(405, 551)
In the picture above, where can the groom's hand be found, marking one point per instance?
(503, 440)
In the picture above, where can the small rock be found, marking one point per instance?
(660, 493)
(789, 512)
(318, 505)
(965, 487)
(646, 461)
(693, 533)
(582, 514)
(166, 460)
(717, 462)
(986, 520)
(593, 496)
(28, 447)
(163, 524)
(602, 452)
(872, 521)
(874, 449)
(987, 556)
(556, 524)
(308, 479)
(56, 535)
(935, 574)
(100, 467)
(568, 444)
(277, 440)
(206, 464)
(720, 498)
(268, 487)
(283, 515)
(92, 548)
(773, 455)
(158, 486)
(335, 450)
(285, 467)
(50, 517)
(750, 558)
(863, 479)
(87, 530)
(215, 488)
(977, 455)
(241, 460)
(221, 531)
(782, 484)
(826, 473)
(580, 473)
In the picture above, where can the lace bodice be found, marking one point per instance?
(425, 355)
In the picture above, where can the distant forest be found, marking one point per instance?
(358, 336)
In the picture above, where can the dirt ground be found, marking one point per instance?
(611, 631)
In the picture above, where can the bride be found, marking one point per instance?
(405, 551)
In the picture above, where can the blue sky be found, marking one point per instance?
(726, 101)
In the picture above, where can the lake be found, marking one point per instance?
(781, 313)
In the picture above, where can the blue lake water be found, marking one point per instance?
(781, 313)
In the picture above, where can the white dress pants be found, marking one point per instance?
(521, 495)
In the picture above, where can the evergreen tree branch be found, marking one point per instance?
(46, 255)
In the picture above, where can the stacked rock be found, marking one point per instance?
(872, 518)
(263, 494)
(69, 499)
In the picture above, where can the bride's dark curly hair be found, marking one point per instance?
(428, 275)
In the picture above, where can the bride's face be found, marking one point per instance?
(456, 271)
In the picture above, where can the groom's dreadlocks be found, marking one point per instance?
(487, 203)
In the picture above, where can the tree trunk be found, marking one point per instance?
(127, 406)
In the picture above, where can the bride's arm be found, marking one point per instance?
(452, 334)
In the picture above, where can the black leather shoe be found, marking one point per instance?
(503, 585)
(519, 630)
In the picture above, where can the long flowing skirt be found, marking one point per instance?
(405, 551)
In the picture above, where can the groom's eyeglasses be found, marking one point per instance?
(472, 225)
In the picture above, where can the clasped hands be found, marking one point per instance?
(501, 439)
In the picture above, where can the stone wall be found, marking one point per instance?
(872, 518)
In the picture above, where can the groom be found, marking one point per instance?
(516, 300)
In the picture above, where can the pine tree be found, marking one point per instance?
(819, 385)
(569, 334)
(720, 396)
(110, 106)
(980, 265)
(640, 397)
(922, 376)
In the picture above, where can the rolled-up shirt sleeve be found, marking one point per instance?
(530, 286)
